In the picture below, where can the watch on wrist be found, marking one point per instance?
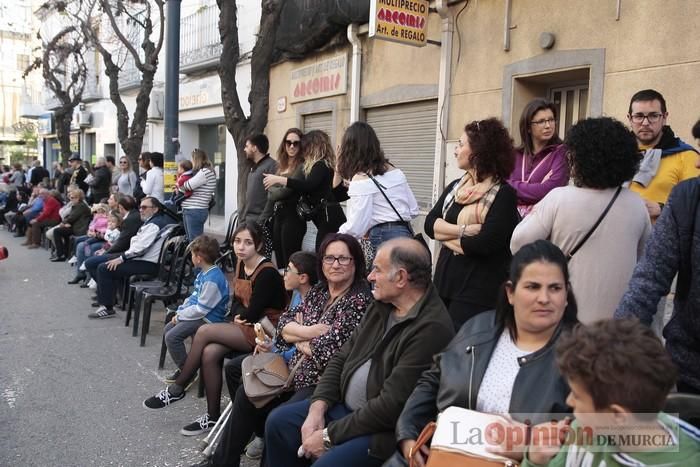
(326, 439)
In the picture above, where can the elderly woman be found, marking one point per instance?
(474, 219)
(75, 223)
(540, 161)
(603, 155)
(502, 361)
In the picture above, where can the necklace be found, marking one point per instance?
(245, 267)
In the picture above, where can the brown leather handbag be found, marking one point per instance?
(266, 376)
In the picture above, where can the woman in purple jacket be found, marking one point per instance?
(540, 161)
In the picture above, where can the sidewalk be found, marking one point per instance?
(71, 388)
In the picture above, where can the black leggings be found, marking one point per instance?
(287, 233)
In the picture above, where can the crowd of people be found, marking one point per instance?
(554, 259)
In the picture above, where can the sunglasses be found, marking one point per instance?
(292, 143)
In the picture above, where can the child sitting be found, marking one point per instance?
(112, 233)
(619, 374)
(207, 304)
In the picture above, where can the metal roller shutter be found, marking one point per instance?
(407, 136)
(318, 121)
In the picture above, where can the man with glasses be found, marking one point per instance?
(141, 257)
(667, 160)
(256, 147)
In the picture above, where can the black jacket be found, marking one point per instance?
(398, 358)
(78, 178)
(79, 218)
(456, 375)
(318, 187)
(130, 225)
(100, 183)
(38, 175)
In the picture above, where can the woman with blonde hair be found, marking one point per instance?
(288, 228)
(195, 208)
(316, 188)
(128, 179)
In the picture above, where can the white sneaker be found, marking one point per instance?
(73, 260)
(254, 450)
(92, 284)
(82, 267)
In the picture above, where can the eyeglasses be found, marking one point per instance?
(342, 260)
(288, 270)
(143, 208)
(124, 162)
(652, 117)
(544, 121)
(291, 143)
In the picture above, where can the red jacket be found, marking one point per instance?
(50, 211)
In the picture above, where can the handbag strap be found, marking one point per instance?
(293, 371)
(595, 226)
(381, 190)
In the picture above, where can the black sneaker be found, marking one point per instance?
(200, 425)
(102, 313)
(171, 379)
(162, 399)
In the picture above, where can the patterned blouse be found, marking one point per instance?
(343, 317)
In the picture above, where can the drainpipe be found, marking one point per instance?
(444, 91)
(356, 72)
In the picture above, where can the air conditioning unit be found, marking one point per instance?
(84, 118)
(156, 106)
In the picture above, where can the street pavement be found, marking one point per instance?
(71, 388)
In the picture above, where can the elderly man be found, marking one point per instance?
(48, 217)
(351, 416)
(101, 181)
(78, 172)
(141, 257)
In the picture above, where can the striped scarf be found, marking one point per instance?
(475, 197)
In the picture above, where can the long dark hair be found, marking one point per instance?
(355, 251)
(543, 251)
(283, 157)
(534, 106)
(360, 152)
(253, 230)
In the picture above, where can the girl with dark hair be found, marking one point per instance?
(540, 161)
(288, 228)
(603, 155)
(474, 219)
(508, 355)
(317, 186)
(258, 293)
(381, 203)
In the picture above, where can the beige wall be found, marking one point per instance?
(652, 45)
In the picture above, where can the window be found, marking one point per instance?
(572, 104)
(22, 62)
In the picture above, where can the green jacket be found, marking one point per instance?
(398, 359)
(685, 452)
(79, 218)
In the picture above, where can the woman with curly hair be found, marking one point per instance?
(540, 161)
(603, 155)
(474, 219)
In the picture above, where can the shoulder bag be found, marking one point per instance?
(266, 376)
(595, 226)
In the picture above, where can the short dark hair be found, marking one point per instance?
(696, 130)
(603, 153)
(253, 230)
(186, 165)
(355, 251)
(128, 202)
(534, 106)
(155, 202)
(110, 159)
(360, 152)
(618, 362)
(646, 95)
(305, 262)
(416, 262)
(537, 251)
(260, 141)
(206, 247)
(157, 159)
(492, 149)
(145, 157)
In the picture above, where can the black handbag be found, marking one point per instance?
(306, 210)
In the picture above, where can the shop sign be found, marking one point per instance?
(404, 21)
(45, 124)
(203, 93)
(169, 176)
(321, 79)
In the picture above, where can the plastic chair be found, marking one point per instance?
(687, 406)
(167, 293)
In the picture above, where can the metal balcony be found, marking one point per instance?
(200, 43)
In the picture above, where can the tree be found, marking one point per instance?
(63, 68)
(238, 124)
(132, 25)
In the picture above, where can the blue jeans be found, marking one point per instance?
(194, 220)
(93, 245)
(380, 233)
(283, 438)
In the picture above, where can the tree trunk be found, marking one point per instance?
(62, 119)
(238, 125)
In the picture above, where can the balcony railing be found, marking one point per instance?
(129, 76)
(92, 91)
(200, 42)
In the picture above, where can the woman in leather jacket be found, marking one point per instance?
(501, 361)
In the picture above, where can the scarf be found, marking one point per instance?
(475, 197)
(668, 145)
